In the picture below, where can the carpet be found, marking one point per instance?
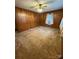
(38, 43)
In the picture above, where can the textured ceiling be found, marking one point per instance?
(26, 4)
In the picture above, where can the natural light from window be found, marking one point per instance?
(49, 19)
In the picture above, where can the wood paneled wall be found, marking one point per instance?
(57, 18)
(26, 19)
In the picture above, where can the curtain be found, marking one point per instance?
(49, 19)
(61, 24)
(61, 27)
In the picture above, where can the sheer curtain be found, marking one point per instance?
(61, 27)
(61, 24)
(49, 19)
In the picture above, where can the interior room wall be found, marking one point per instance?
(58, 14)
(25, 19)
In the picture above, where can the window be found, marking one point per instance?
(49, 19)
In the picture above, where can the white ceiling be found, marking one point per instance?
(26, 4)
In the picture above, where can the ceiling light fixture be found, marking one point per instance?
(40, 10)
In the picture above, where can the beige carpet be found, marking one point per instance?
(38, 43)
